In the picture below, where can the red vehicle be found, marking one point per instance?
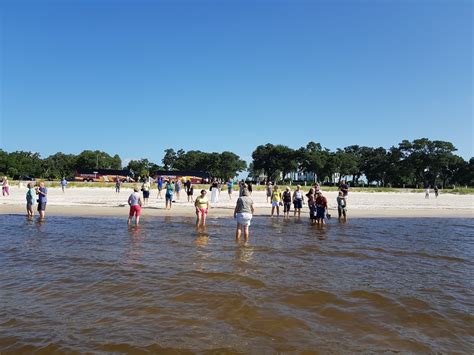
(103, 175)
(196, 177)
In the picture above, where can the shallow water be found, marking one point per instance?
(94, 285)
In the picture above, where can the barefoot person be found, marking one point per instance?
(286, 197)
(276, 199)
(63, 184)
(269, 191)
(202, 208)
(190, 191)
(146, 191)
(341, 206)
(5, 187)
(42, 193)
(243, 212)
(159, 184)
(298, 200)
(312, 205)
(118, 184)
(230, 186)
(30, 200)
(169, 193)
(321, 207)
(135, 202)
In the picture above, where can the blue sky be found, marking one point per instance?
(137, 77)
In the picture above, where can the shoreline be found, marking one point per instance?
(99, 202)
(227, 212)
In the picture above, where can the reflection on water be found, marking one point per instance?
(86, 285)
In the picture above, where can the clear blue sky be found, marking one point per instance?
(136, 77)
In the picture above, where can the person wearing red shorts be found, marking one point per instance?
(135, 202)
(202, 207)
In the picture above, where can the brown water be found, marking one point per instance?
(93, 285)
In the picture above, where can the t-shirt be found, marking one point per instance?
(146, 186)
(230, 185)
(276, 196)
(31, 196)
(160, 183)
(202, 201)
(63, 182)
(169, 189)
(134, 199)
(244, 204)
(42, 198)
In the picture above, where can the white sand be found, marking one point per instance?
(105, 202)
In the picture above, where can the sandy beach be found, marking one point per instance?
(105, 202)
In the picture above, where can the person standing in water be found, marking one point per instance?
(42, 193)
(135, 202)
(321, 207)
(202, 208)
(341, 206)
(276, 200)
(243, 213)
(312, 205)
(169, 193)
(286, 197)
(298, 200)
(30, 200)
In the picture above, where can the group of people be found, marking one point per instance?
(36, 195)
(317, 202)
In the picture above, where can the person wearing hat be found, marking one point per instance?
(135, 202)
(321, 207)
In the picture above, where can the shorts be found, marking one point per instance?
(146, 194)
(312, 212)
(320, 212)
(190, 193)
(42, 206)
(275, 204)
(229, 191)
(169, 197)
(286, 206)
(202, 211)
(298, 203)
(29, 205)
(135, 210)
(341, 210)
(244, 218)
(160, 188)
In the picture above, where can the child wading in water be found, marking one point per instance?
(341, 205)
(135, 202)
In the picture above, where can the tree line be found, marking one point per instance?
(410, 163)
(415, 163)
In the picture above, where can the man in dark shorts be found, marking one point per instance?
(42, 193)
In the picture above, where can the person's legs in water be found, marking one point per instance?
(238, 232)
